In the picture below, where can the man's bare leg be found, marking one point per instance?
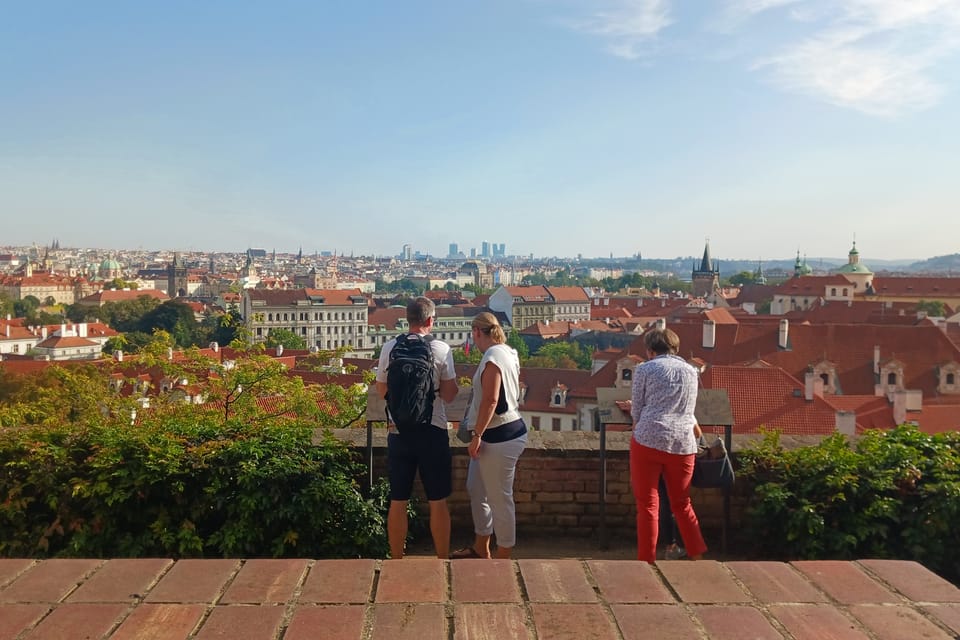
(397, 527)
(440, 527)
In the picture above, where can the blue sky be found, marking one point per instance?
(558, 127)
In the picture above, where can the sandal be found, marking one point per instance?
(466, 552)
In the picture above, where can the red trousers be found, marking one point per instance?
(646, 466)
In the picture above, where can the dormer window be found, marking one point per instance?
(891, 375)
(947, 378)
(627, 374)
(558, 395)
(827, 372)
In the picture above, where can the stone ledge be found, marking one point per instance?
(572, 441)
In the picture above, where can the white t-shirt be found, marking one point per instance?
(442, 361)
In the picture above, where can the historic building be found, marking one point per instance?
(325, 318)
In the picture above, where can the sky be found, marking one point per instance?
(556, 127)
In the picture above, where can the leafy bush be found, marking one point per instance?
(189, 485)
(894, 494)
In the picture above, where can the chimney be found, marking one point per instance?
(661, 324)
(63, 329)
(846, 422)
(82, 329)
(43, 333)
(812, 387)
(784, 339)
(8, 330)
(215, 347)
(709, 334)
(118, 355)
(876, 359)
(899, 406)
(169, 353)
(279, 350)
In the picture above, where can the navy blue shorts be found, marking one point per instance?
(425, 450)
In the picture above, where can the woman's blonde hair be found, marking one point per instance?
(488, 324)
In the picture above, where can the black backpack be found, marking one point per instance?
(410, 382)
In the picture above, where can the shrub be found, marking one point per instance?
(894, 494)
(189, 485)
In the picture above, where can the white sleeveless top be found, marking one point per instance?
(507, 360)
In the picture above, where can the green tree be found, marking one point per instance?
(80, 313)
(176, 318)
(128, 315)
(934, 308)
(562, 355)
(279, 337)
(26, 307)
(742, 278)
(515, 340)
(6, 306)
(462, 357)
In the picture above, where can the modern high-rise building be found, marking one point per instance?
(454, 250)
(407, 253)
(485, 249)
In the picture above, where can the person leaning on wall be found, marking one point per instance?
(664, 397)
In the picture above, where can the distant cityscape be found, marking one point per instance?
(808, 346)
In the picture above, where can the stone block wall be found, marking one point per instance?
(557, 489)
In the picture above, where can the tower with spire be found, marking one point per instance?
(177, 278)
(706, 279)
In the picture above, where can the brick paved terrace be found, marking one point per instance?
(424, 598)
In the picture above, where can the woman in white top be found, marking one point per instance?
(498, 437)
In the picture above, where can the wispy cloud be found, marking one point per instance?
(874, 56)
(627, 26)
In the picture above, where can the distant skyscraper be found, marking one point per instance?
(473, 252)
(485, 249)
(454, 250)
(407, 253)
(503, 250)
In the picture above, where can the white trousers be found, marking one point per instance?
(490, 485)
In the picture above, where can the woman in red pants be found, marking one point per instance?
(664, 443)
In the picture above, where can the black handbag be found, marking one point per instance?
(712, 468)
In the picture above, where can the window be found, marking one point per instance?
(891, 378)
(826, 379)
(950, 379)
(845, 291)
(535, 422)
(556, 424)
(627, 374)
(269, 317)
(557, 399)
(833, 291)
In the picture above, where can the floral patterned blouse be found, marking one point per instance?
(664, 398)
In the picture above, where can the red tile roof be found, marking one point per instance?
(770, 398)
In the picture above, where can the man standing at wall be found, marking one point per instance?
(422, 446)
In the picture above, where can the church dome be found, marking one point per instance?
(110, 265)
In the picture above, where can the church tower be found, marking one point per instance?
(177, 278)
(706, 279)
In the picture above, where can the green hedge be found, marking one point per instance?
(183, 487)
(892, 494)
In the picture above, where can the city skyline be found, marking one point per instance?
(578, 127)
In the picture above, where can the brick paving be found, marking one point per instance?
(423, 598)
